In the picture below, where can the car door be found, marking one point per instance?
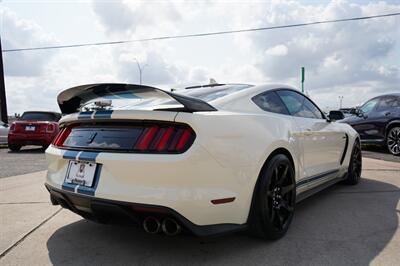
(365, 122)
(322, 142)
(3, 133)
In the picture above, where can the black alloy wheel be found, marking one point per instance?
(355, 165)
(275, 198)
(393, 141)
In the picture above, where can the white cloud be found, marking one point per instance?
(19, 33)
(355, 59)
(278, 50)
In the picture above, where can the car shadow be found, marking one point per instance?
(375, 148)
(28, 150)
(340, 225)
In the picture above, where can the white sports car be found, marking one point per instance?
(204, 160)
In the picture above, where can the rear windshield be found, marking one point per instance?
(155, 100)
(40, 116)
(212, 93)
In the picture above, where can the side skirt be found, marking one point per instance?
(303, 195)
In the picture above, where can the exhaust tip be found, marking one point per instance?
(170, 227)
(151, 225)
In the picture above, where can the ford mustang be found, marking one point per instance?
(205, 160)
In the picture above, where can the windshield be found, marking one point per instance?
(39, 116)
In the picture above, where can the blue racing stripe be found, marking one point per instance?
(103, 114)
(85, 115)
(70, 154)
(91, 190)
(68, 186)
(88, 156)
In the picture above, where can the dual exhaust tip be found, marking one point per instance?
(168, 226)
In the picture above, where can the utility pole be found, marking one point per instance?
(141, 69)
(340, 102)
(3, 102)
(302, 79)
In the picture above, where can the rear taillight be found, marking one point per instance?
(170, 139)
(50, 128)
(61, 137)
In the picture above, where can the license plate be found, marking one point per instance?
(30, 128)
(81, 173)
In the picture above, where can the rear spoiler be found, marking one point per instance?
(70, 100)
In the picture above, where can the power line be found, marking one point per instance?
(199, 34)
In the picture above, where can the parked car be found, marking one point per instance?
(378, 122)
(3, 132)
(33, 128)
(207, 160)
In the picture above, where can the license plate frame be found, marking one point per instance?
(81, 173)
(30, 128)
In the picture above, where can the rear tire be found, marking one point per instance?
(14, 147)
(393, 140)
(355, 166)
(274, 199)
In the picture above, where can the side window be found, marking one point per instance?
(388, 102)
(396, 102)
(369, 106)
(299, 105)
(270, 102)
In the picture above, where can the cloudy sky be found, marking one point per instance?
(356, 60)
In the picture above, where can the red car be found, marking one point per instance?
(33, 128)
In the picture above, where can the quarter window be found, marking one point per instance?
(270, 102)
(388, 102)
(298, 105)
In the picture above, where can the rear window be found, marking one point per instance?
(213, 93)
(154, 100)
(39, 116)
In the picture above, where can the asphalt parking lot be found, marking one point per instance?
(29, 159)
(343, 225)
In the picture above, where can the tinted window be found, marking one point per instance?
(369, 106)
(270, 102)
(212, 93)
(39, 116)
(299, 105)
(388, 102)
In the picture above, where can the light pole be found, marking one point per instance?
(340, 102)
(141, 69)
(3, 103)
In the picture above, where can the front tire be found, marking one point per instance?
(355, 166)
(14, 147)
(274, 199)
(393, 140)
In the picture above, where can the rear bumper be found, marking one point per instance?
(30, 139)
(117, 212)
(187, 183)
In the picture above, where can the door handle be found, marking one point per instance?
(387, 113)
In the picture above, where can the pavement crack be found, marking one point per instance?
(27, 234)
(26, 202)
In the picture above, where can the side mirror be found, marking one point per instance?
(335, 115)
